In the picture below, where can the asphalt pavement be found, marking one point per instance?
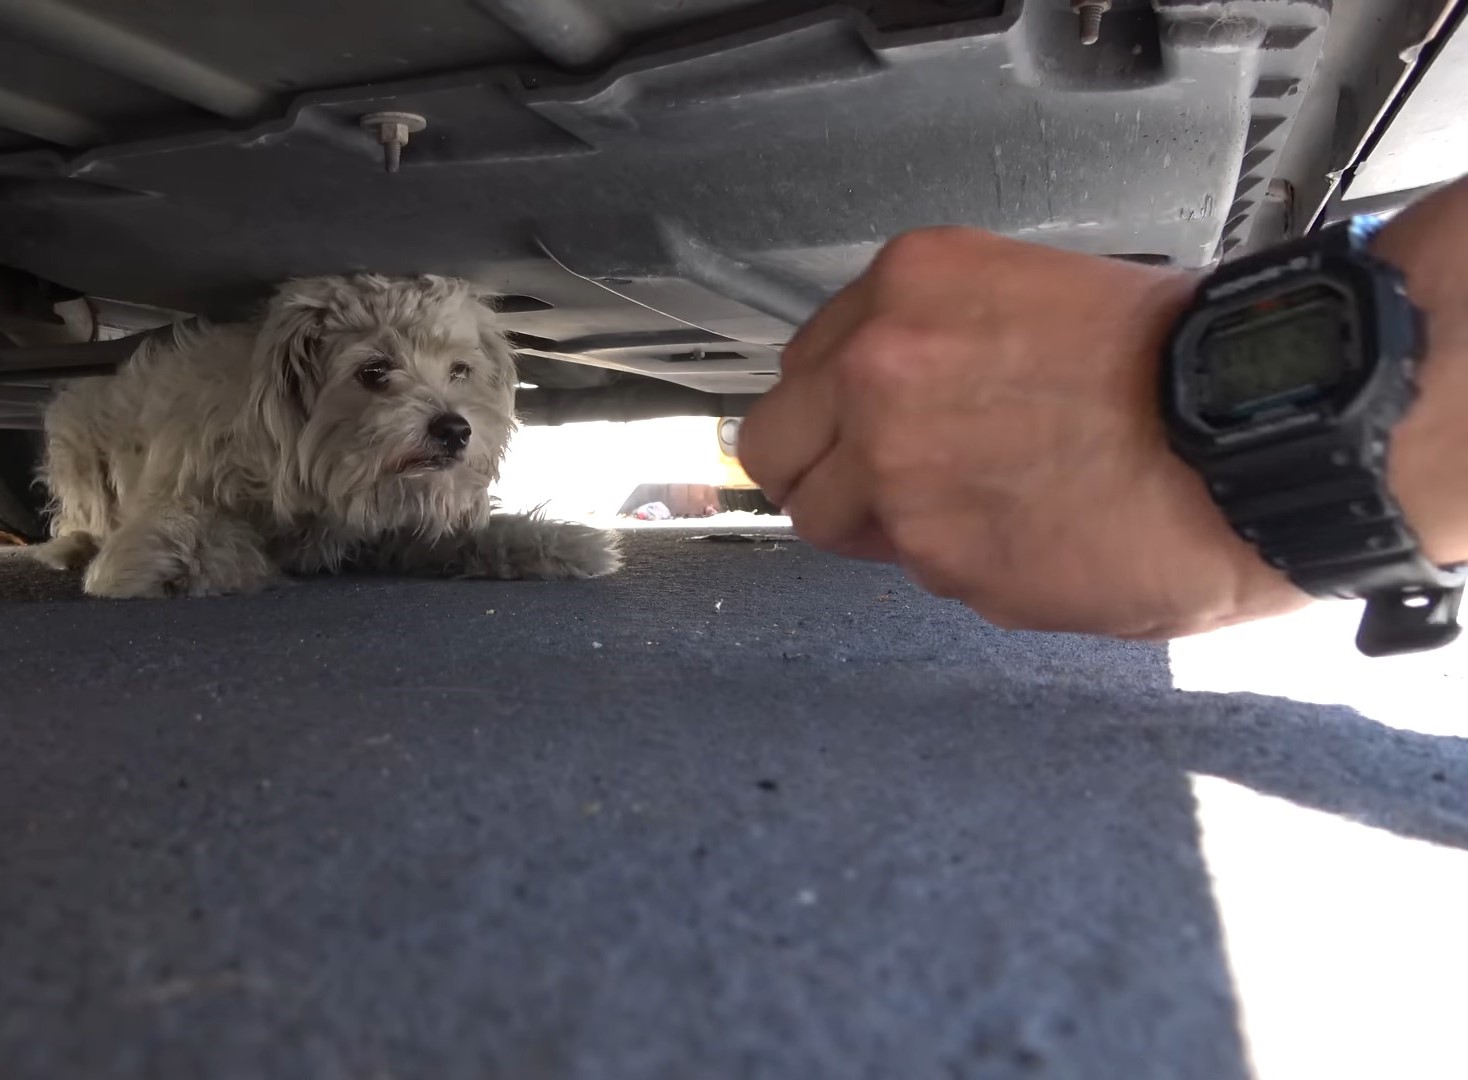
(742, 810)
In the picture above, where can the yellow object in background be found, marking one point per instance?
(734, 475)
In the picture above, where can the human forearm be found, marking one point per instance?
(1429, 466)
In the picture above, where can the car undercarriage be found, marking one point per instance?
(660, 191)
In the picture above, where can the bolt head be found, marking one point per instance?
(409, 122)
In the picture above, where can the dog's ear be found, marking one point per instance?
(287, 373)
(492, 338)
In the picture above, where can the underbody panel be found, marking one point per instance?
(660, 188)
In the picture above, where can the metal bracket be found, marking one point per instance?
(47, 362)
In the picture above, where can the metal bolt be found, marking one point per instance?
(393, 129)
(1090, 12)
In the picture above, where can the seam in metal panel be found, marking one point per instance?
(73, 33)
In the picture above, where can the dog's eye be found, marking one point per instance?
(373, 374)
(459, 371)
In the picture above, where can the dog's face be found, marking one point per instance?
(390, 393)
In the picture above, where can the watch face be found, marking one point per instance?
(1281, 354)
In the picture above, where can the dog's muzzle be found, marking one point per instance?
(447, 437)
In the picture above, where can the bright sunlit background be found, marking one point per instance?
(1348, 944)
(586, 472)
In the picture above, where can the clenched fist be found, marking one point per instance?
(984, 412)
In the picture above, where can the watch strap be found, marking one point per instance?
(1324, 516)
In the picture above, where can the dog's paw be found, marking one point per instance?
(511, 547)
(517, 546)
(114, 577)
(72, 551)
(151, 560)
(581, 551)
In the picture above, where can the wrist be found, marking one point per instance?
(1428, 471)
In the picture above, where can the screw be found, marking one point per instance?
(1090, 12)
(393, 129)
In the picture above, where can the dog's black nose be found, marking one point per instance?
(449, 430)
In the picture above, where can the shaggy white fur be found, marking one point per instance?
(357, 426)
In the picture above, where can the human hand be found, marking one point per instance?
(984, 412)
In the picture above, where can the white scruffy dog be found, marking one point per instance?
(357, 426)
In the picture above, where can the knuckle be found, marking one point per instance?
(881, 354)
(898, 460)
(873, 343)
(917, 249)
(891, 352)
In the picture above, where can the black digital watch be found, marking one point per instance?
(1281, 385)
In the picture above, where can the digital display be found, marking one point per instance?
(1295, 351)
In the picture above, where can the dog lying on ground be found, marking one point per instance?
(356, 426)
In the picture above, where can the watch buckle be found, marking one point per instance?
(1410, 620)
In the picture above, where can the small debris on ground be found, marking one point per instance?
(740, 538)
(653, 511)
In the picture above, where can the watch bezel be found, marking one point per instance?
(1217, 299)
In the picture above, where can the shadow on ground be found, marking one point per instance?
(741, 811)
